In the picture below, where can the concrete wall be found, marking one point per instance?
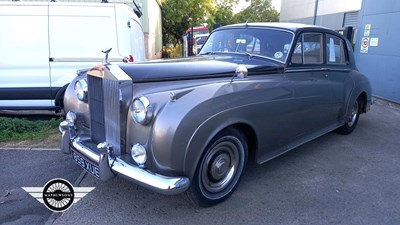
(152, 28)
(330, 13)
(333, 21)
(381, 64)
(297, 9)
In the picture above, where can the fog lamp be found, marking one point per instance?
(70, 117)
(139, 155)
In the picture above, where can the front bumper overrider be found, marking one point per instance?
(108, 165)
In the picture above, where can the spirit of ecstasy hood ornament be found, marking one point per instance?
(106, 51)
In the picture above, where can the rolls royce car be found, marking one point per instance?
(190, 124)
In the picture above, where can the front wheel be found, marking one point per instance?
(351, 124)
(220, 168)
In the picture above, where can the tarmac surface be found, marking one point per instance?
(334, 179)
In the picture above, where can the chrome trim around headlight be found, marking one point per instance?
(139, 154)
(81, 90)
(142, 110)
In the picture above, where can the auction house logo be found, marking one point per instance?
(58, 194)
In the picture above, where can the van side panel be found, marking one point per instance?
(78, 34)
(44, 44)
(24, 54)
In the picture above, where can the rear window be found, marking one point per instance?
(335, 50)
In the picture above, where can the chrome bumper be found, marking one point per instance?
(109, 165)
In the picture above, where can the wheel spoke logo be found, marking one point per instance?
(58, 195)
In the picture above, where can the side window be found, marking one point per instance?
(308, 49)
(297, 57)
(312, 48)
(335, 50)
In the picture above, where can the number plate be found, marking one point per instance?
(89, 167)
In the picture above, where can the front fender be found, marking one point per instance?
(183, 129)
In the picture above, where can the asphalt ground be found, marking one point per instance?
(334, 179)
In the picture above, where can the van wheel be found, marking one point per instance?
(220, 168)
(351, 124)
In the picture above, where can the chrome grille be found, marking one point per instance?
(109, 99)
(96, 108)
(112, 113)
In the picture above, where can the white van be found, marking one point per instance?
(42, 45)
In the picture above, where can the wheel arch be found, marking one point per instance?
(195, 150)
(364, 100)
(59, 99)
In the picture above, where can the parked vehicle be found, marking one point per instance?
(200, 40)
(191, 123)
(43, 44)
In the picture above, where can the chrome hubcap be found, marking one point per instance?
(353, 116)
(220, 165)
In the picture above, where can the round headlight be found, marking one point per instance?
(138, 153)
(81, 89)
(142, 110)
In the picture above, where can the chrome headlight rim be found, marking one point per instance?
(139, 154)
(81, 89)
(142, 110)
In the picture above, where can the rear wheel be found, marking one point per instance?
(219, 169)
(351, 124)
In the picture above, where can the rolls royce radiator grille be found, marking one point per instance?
(112, 113)
(96, 109)
(109, 97)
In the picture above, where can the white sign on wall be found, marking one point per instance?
(373, 42)
(367, 29)
(364, 45)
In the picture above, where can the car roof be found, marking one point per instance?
(287, 26)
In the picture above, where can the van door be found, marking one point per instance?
(136, 38)
(130, 34)
(24, 56)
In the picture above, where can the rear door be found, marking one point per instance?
(338, 64)
(311, 86)
(24, 53)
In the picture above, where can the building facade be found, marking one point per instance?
(377, 49)
(335, 14)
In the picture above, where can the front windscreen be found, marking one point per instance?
(271, 43)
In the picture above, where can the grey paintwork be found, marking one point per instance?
(278, 106)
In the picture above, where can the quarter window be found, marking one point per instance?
(335, 50)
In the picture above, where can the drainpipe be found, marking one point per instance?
(315, 12)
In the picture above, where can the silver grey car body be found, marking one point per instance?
(204, 115)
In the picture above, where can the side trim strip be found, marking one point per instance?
(27, 93)
(84, 59)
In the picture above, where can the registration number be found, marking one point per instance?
(89, 167)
